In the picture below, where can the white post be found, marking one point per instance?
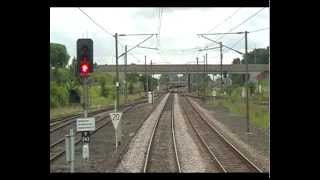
(69, 143)
(116, 139)
(72, 150)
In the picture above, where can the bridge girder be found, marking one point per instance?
(186, 68)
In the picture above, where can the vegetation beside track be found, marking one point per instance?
(235, 104)
(66, 91)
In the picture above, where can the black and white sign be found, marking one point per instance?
(86, 124)
(115, 118)
(86, 137)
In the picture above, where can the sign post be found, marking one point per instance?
(115, 118)
(69, 142)
(214, 94)
(85, 125)
(243, 93)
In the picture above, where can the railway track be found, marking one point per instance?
(226, 156)
(57, 148)
(56, 123)
(162, 154)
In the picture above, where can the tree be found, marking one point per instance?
(236, 61)
(73, 66)
(132, 77)
(58, 55)
(164, 78)
(62, 76)
(59, 95)
(104, 90)
(236, 78)
(131, 88)
(251, 87)
(257, 56)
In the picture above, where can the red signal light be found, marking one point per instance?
(84, 68)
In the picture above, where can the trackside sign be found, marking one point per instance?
(86, 124)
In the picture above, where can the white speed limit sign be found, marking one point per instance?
(115, 118)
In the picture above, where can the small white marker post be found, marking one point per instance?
(214, 93)
(85, 151)
(69, 142)
(243, 93)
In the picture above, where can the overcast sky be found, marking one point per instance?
(178, 42)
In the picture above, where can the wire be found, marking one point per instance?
(235, 27)
(229, 17)
(259, 30)
(105, 30)
(238, 25)
(246, 20)
(236, 43)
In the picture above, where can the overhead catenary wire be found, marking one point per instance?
(101, 27)
(226, 19)
(259, 30)
(226, 50)
(160, 18)
(232, 46)
(253, 15)
(238, 25)
(106, 31)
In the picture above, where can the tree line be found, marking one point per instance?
(65, 85)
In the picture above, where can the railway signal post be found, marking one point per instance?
(85, 66)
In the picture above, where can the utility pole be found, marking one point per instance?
(203, 77)
(247, 69)
(85, 90)
(117, 74)
(247, 79)
(206, 76)
(189, 79)
(197, 76)
(151, 75)
(221, 56)
(125, 76)
(254, 53)
(145, 73)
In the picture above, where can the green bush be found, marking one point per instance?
(251, 86)
(131, 87)
(104, 90)
(59, 95)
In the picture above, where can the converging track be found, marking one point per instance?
(59, 123)
(57, 148)
(162, 154)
